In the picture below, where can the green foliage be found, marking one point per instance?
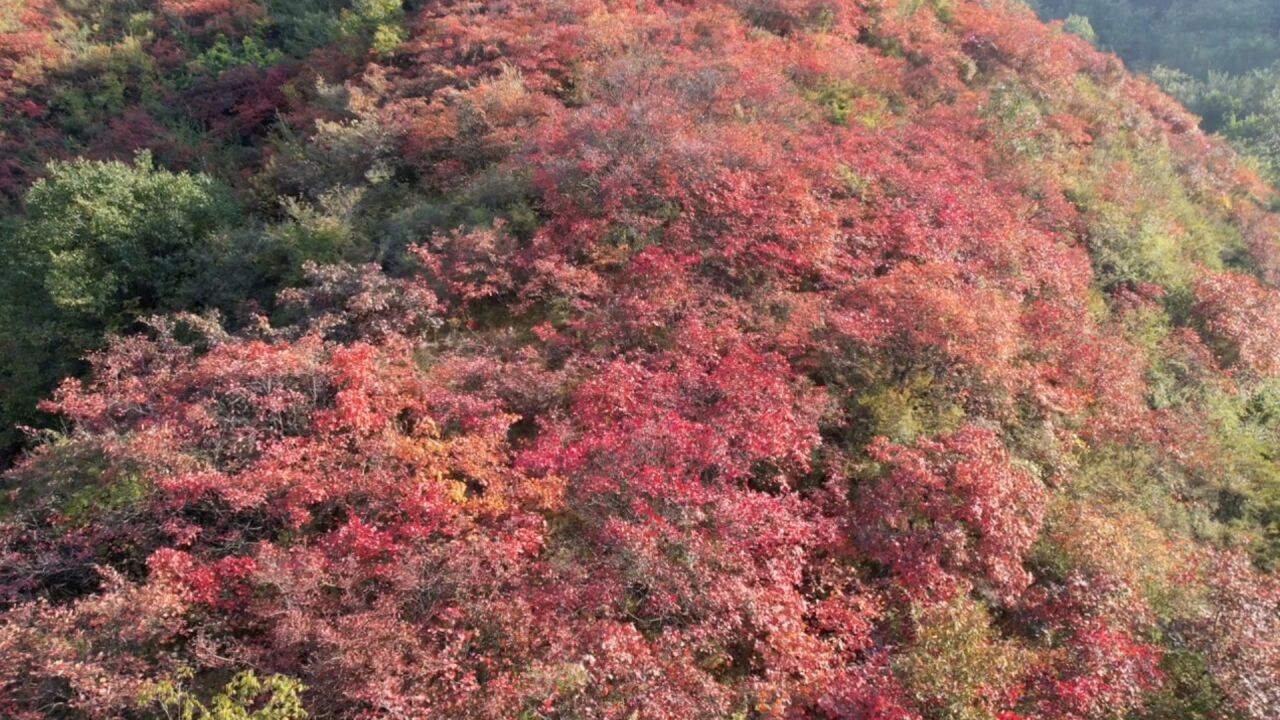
(1189, 691)
(1080, 25)
(1104, 476)
(942, 8)
(917, 406)
(245, 697)
(836, 98)
(1248, 427)
(104, 239)
(305, 25)
(322, 231)
(360, 151)
(1239, 504)
(1018, 116)
(226, 54)
(1197, 36)
(386, 38)
(104, 80)
(1244, 108)
(1156, 231)
(79, 483)
(373, 23)
(106, 19)
(92, 500)
(101, 244)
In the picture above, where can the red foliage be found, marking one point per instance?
(241, 102)
(949, 513)
(472, 267)
(221, 584)
(212, 17)
(1100, 666)
(667, 431)
(1241, 320)
(591, 461)
(92, 658)
(921, 309)
(1240, 635)
(27, 53)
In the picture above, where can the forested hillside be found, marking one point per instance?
(1221, 58)
(792, 359)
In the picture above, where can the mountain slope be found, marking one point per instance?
(1220, 59)
(758, 358)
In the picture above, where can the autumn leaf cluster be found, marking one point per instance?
(795, 359)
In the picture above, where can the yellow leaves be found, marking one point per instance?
(545, 494)
(1123, 544)
(910, 408)
(958, 666)
(607, 31)
(428, 451)
(474, 471)
(386, 38)
(245, 697)
(505, 97)
(456, 490)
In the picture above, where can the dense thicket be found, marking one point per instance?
(214, 91)
(803, 359)
(1220, 58)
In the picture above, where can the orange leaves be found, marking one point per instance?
(918, 309)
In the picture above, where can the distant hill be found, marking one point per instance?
(1219, 58)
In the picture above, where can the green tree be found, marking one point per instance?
(100, 245)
